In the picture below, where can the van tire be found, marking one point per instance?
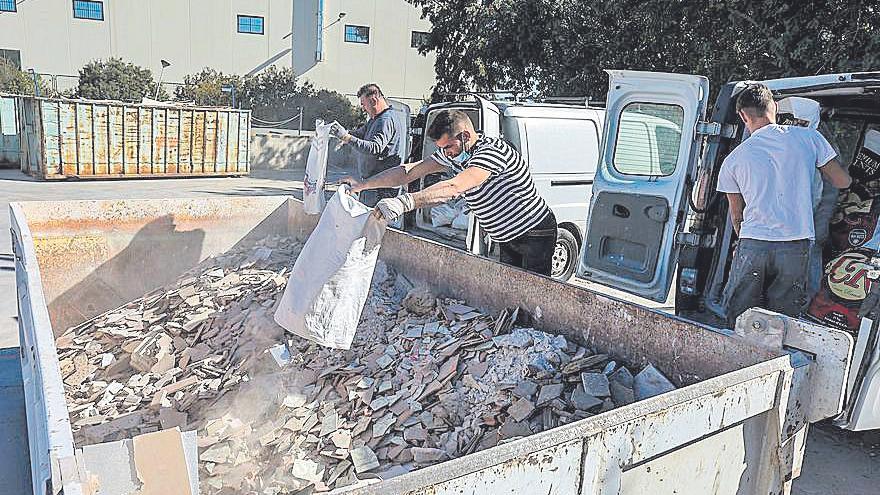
(565, 255)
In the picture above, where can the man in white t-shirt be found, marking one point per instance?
(768, 181)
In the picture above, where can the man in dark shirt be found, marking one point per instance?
(380, 143)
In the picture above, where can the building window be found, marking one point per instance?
(88, 9)
(249, 24)
(12, 57)
(419, 39)
(357, 34)
(7, 5)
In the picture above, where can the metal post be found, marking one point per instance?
(300, 121)
(164, 63)
(159, 84)
(36, 83)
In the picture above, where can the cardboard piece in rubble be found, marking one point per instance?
(161, 462)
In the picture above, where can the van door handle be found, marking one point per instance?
(658, 213)
(571, 182)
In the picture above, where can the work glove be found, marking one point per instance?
(337, 131)
(391, 209)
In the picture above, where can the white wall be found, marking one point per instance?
(387, 60)
(194, 34)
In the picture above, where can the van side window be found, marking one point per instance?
(648, 139)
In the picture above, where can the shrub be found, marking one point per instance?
(115, 79)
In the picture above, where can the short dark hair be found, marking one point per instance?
(371, 89)
(447, 122)
(754, 100)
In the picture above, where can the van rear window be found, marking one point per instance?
(648, 139)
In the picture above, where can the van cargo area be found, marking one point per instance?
(138, 316)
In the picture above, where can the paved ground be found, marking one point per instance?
(837, 462)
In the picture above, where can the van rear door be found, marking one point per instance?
(650, 146)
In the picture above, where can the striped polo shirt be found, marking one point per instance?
(507, 204)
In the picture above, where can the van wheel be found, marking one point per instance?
(565, 255)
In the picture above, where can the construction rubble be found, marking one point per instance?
(428, 379)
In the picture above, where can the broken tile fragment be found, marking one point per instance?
(521, 409)
(650, 382)
(582, 400)
(364, 459)
(595, 384)
(424, 455)
(548, 393)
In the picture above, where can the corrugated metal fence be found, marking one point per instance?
(90, 139)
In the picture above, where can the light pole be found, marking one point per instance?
(229, 88)
(165, 64)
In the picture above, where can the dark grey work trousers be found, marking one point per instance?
(768, 274)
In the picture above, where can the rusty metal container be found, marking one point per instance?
(61, 139)
(737, 425)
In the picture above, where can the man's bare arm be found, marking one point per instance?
(397, 176)
(836, 175)
(737, 206)
(446, 190)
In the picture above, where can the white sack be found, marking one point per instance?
(442, 215)
(316, 170)
(328, 286)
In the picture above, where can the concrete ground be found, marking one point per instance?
(837, 462)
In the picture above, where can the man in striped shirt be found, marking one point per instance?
(495, 182)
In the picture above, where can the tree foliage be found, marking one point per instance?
(206, 88)
(560, 47)
(273, 95)
(14, 81)
(115, 79)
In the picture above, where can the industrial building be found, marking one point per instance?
(336, 44)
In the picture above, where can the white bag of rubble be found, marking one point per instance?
(442, 215)
(330, 280)
(316, 170)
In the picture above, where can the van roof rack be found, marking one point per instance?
(516, 96)
(513, 94)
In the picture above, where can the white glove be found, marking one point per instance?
(337, 131)
(393, 208)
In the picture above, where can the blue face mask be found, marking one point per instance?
(464, 155)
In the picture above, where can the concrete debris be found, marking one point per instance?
(427, 378)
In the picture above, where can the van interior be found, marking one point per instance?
(850, 114)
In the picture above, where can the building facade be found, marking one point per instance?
(336, 44)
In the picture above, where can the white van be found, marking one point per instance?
(650, 225)
(559, 142)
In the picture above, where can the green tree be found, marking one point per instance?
(206, 88)
(274, 96)
(115, 79)
(561, 47)
(14, 81)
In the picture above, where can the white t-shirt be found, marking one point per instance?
(773, 170)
